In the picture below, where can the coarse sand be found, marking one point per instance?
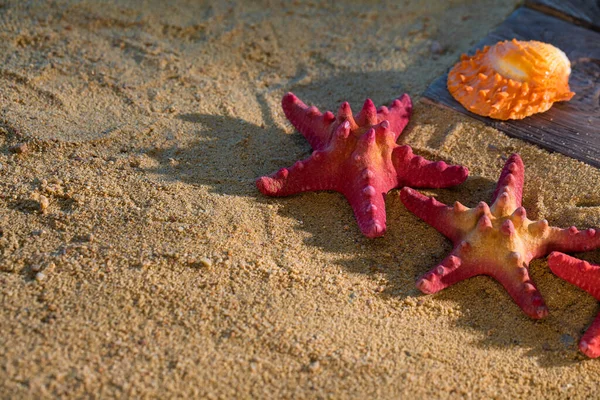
(138, 259)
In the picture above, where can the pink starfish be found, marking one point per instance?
(586, 276)
(358, 157)
(498, 241)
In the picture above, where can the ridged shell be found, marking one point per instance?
(512, 79)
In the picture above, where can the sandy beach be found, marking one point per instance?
(138, 259)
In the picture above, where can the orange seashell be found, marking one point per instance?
(512, 79)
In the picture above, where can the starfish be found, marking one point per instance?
(587, 277)
(497, 240)
(358, 157)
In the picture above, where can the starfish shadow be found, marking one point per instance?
(225, 156)
(486, 308)
(230, 153)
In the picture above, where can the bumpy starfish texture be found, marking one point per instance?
(358, 157)
(498, 241)
(587, 277)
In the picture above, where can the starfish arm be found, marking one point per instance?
(368, 115)
(450, 271)
(398, 114)
(369, 209)
(590, 341)
(307, 175)
(415, 171)
(521, 288)
(566, 240)
(514, 278)
(313, 125)
(578, 272)
(443, 218)
(587, 277)
(509, 190)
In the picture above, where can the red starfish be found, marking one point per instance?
(358, 157)
(586, 276)
(498, 241)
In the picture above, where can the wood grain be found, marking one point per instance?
(583, 12)
(571, 128)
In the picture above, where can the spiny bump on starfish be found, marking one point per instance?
(497, 240)
(357, 155)
(586, 276)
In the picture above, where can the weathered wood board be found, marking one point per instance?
(571, 128)
(582, 12)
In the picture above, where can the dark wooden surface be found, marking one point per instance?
(583, 12)
(571, 128)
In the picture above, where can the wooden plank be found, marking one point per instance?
(571, 128)
(582, 12)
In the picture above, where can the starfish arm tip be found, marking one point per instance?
(403, 102)
(398, 114)
(406, 191)
(511, 180)
(590, 349)
(373, 230)
(530, 301)
(442, 276)
(584, 347)
(555, 257)
(314, 125)
(522, 289)
(405, 99)
(410, 196)
(289, 100)
(459, 172)
(515, 157)
(590, 341)
(289, 96)
(426, 286)
(267, 185)
(540, 312)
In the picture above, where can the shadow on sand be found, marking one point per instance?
(231, 153)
